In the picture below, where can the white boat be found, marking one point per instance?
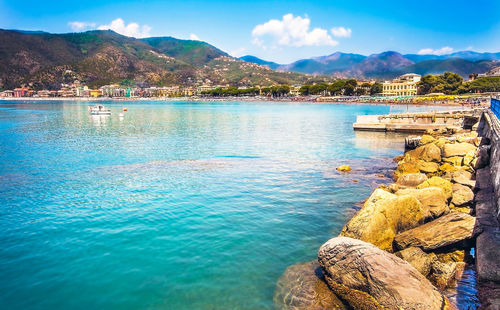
(99, 110)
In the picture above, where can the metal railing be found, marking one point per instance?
(495, 107)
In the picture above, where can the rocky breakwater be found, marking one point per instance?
(408, 243)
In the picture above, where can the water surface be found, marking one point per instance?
(174, 205)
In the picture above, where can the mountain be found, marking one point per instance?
(101, 57)
(256, 60)
(390, 64)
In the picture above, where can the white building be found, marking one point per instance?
(405, 85)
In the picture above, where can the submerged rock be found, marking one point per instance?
(446, 230)
(370, 278)
(303, 287)
(344, 168)
(383, 216)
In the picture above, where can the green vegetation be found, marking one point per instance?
(452, 83)
(231, 91)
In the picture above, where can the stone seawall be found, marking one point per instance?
(487, 201)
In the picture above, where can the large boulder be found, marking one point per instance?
(427, 166)
(462, 195)
(428, 152)
(433, 200)
(445, 185)
(405, 168)
(454, 160)
(370, 278)
(381, 219)
(426, 139)
(411, 179)
(457, 149)
(303, 286)
(449, 229)
(418, 259)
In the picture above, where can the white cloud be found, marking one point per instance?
(130, 30)
(80, 26)
(192, 36)
(238, 52)
(292, 31)
(441, 51)
(341, 32)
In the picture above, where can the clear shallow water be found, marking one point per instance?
(175, 205)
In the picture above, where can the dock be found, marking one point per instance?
(418, 122)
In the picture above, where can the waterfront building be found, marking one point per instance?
(7, 93)
(405, 85)
(95, 93)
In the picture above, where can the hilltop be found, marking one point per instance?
(102, 56)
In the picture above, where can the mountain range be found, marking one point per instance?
(387, 64)
(98, 57)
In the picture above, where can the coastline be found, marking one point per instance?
(226, 99)
(399, 228)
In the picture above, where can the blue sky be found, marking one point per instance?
(281, 31)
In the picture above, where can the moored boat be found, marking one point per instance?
(99, 110)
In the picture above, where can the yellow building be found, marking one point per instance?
(405, 85)
(95, 93)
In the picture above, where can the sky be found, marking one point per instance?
(280, 31)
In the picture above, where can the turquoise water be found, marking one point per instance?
(174, 205)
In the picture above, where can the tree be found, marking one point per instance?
(376, 88)
(350, 86)
(336, 88)
(304, 90)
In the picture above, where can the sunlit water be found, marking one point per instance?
(174, 205)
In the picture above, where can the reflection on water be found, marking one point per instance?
(174, 205)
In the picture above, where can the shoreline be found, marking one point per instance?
(231, 99)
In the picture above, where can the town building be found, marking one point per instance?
(405, 85)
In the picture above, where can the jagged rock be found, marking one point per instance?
(427, 166)
(433, 200)
(405, 168)
(455, 160)
(428, 152)
(446, 167)
(411, 179)
(370, 278)
(469, 157)
(445, 185)
(381, 219)
(418, 259)
(443, 274)
(462, 195)
(446, 230)
(426, 139)
(457, 149)
(463, 177)
(303, 286)
(441, 141)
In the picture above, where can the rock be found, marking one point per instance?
(441, 141)
(393, 187)
(443, 274)
(427, 167)
(433, 200)
(454, 160)
(370, 278)
(452, 256)
(469, 157)
(398, 158)
(405, 168)
(457, 149)
(487, 255)
(380, 221)
(344, 168)
(428, 152)
(411, 179)
(303, 286)
(462, 195)
(463, 177)
(445, 185)
(418, 259)
(483, 157)
(426, 139)
(446, 167)
(446, 230)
